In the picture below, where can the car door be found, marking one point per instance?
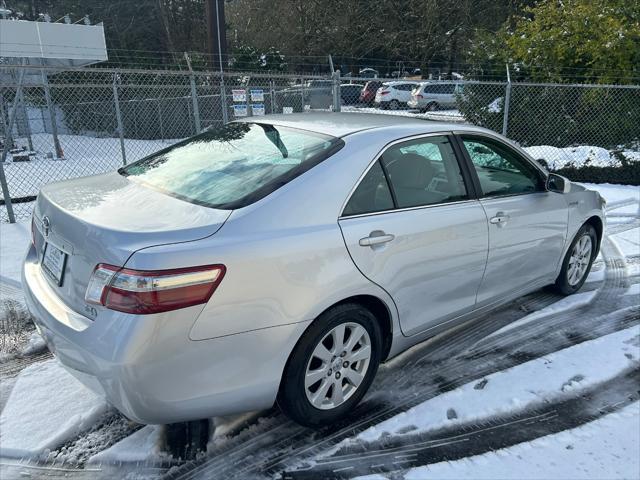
(527, 223)
(448, 97)
(414, 227)
(404, 92)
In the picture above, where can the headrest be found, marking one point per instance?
(411, 171)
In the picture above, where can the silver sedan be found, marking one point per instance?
(282, 258)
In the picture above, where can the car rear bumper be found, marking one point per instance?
(147, 366)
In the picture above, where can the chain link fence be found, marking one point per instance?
(58, 124)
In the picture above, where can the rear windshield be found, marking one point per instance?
(234, 165)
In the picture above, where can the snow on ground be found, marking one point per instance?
(84, 155)
(451, 115)
(46, 408)
(145, 445)
(14, 241)
(566, 372)
(606, 448)
(579, 156)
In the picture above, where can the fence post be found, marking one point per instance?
(3, 119)
(25, 119)
(116, 101)
(5, 150)
(52, 115)
(223, 99)
(194, 95)
(336, 90)
(160, 120)
(507, 101)
(194, 102)
(272, 94)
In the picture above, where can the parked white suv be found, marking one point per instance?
(429, 96)
(394, 95)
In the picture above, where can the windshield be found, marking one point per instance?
(233, 166)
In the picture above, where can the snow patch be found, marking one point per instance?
(605, 448)
(46, 408)
(34, 345)
(570, 370)
(145, 445)
(579, 156)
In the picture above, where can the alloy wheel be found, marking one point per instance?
(579, 260)
(337, 366)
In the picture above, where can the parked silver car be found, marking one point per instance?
(284, 257)
(430, 96)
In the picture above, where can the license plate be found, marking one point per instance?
(53, 262)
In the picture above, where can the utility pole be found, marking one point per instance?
(216, 32)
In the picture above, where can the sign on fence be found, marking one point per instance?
(257, 108)
(239, 95)
(257, 95)
(240, 110)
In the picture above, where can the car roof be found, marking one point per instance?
(400, 82)
(343, 124)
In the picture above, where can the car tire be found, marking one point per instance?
(295, 395)
(394, 105)
(577, 261)
(185, 440)
(432, 107)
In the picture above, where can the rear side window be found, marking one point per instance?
(234, 165)
(424, 171)
(414, 173)
(372, 194)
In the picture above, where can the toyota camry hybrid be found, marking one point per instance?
(282, 258)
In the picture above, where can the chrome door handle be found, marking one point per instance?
(376, 237)
(500, 219)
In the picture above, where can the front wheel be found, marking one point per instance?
(332, 366)
(578, 260)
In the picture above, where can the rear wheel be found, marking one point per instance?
(432, 107)
(577, 262)
(332, 366)
(394, 105)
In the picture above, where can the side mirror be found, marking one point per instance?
(558, 184)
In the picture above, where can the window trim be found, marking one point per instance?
(458, 134)
(462, 164)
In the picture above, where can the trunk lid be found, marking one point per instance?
(105, 219)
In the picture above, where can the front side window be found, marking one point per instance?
(500, 169)
(234, 165)
(424, 171)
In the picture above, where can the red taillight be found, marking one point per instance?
(143, 292)
(384, 92)
(419, 96)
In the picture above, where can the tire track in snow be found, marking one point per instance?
(475, 438)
